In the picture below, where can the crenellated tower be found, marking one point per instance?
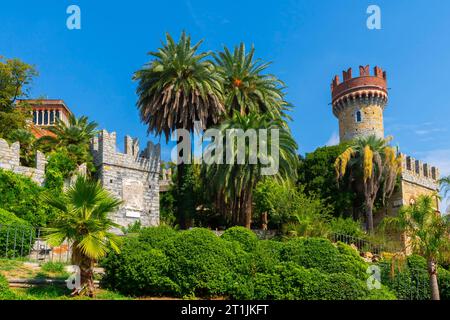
(359, 102)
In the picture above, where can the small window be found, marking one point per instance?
(45, 117)
(34, 117)
(358, 116)
(52, 117)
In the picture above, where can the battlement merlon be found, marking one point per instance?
(417, 172)
(365, 82)
(105, 152)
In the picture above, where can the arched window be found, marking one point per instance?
(358, 116)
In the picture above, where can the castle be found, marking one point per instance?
(359, 103)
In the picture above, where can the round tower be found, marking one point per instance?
(358, 103)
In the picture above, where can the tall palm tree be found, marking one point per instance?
(247, 88)
(235, 181)
(177, 88)
(428, 233)
(84, 223)
(373, 167)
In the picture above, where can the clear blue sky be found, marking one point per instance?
(308, 42)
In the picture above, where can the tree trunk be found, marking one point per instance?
(432, 271)
(264, 221)
(180, 210)
(86, 266)
(247, 209)
(369, 217)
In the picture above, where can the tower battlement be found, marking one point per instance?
(365, 86)
(418, 172)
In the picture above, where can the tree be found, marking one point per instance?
(176, 89)
(247, 89)
(27, 146)
(427, 233)
(373, 167)
(74, 136)
(84, 223)
(316, 173)
(445, 185)
(15, 78)
(236, 180)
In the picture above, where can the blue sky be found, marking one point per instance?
(308, 41)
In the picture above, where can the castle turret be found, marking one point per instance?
(359, 102)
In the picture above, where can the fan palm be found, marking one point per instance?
(84, 223)
(246, 87)
(445, 185)
(235, 180)
(373, 167)
(427, 232)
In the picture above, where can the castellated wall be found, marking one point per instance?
(131, 176)
(10, 160)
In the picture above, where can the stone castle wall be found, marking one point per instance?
(131, 176)
(10, 160)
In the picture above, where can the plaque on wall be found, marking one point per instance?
(133, 197)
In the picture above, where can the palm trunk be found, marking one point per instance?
(86, 266)
(369, 217)
(432, 271)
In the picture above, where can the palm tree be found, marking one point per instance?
(373, 167)
(427, 232)
(246, 87)
(77, 132)
(177, 88)
(84, 223)
(445, 185)
(235, 181)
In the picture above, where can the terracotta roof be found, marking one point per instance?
(39, 132)
(46, 102)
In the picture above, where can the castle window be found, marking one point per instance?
(358, 116)
(52, 117)
(39, 117)
(34, 117)
(57, 114)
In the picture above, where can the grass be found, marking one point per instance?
(54, 292)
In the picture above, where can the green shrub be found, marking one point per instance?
(347, 226)
(323, 255)
(21, 196)
(203, 264)
(5, 291)
(245, 237)
(53, 267)
(157, 237)
(61, 165)
(16, 235)
(138, 270)
(266, 256)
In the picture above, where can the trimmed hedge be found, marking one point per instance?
(161, 261)
(16, 235)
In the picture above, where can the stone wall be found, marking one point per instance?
(10, 160)
(131, 176)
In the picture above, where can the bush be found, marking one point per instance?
(246, 238)
(157, 237)
(138, 270)
(14, 230)
(61, 165)
(5, 292)
(266, 256)
(323, 255)
(205, 265)
(21, 196)
(347, 226)
(53, 267)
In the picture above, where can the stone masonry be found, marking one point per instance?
(131, 176)
(10, 160)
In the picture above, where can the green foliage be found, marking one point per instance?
(302, 215)
(53, 267)
(161, 261)
(27, 146)
(323, 255)
(245, 237)
(21, 196)
(11, 229)
(61, 165)
(15, 78)
(347, 226)
(5, 291)
(139, 269)
(135, 227)
(317, 174)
